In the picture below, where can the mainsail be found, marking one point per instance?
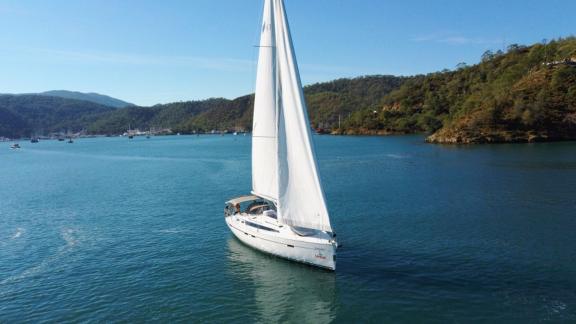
(299, 195)
(264, 127)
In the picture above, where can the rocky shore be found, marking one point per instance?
(459, 136)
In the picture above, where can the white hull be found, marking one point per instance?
(279, 240)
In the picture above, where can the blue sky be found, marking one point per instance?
(149, 52)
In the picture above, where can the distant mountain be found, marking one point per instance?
(92, 97)
(26, 115)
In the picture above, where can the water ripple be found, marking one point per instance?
(70, 238)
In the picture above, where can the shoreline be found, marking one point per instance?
(456, 138)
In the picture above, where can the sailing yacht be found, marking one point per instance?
(285, 214)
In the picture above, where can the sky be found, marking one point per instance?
(149, 51)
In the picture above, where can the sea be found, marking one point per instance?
(120, 230)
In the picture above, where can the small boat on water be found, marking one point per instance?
(285, 214)
(34, 140)
(130, 134)
(15, 146)
(60, 139)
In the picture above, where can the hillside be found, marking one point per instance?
(92, 97)
(526, 94)
(22, 115)
(326, 102)
(173, 115)
(339, 98)
(25, 115)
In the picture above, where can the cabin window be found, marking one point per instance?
(258, 226)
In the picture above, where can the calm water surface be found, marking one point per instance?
(119, 230)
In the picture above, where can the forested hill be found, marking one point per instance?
(525, 94)
(23, 115)
(91, 96)
(28, 115)
(184, 117)
(329, 101)
(326, 103)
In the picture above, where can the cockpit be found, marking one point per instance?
(250, 205)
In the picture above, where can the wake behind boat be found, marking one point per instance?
(286, 214)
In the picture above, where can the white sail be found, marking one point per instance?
(264, 128)
(301, 200)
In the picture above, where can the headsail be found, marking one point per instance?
(301, 197)
(264, 128)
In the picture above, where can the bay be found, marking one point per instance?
(111, 229)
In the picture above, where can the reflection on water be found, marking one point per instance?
(284, 291)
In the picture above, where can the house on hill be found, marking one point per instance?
(569, 61)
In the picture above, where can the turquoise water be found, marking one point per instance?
(116, 230)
